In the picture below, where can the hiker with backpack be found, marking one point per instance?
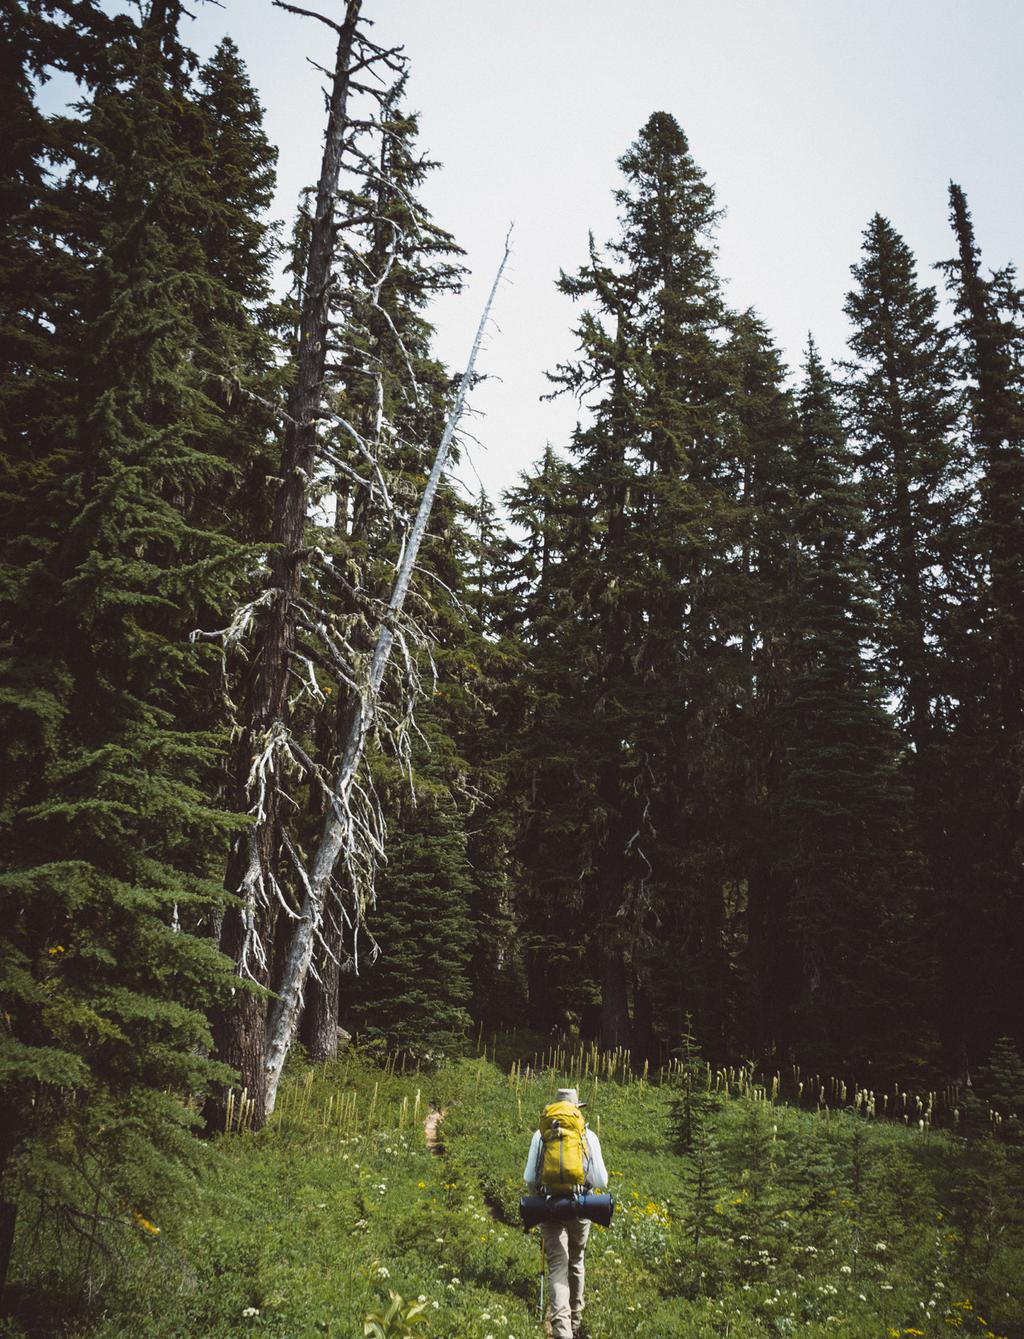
(564, 1161)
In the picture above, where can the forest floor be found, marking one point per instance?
(770, 1221)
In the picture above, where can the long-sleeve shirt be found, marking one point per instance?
(597, 1176)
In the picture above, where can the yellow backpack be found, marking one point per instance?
(564, 1155)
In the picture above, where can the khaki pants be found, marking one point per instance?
(564, 1247)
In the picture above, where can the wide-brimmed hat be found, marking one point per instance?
(568, 1095)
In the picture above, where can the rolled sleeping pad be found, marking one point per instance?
(534, 1209)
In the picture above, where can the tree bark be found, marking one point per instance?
(539, 997)
(320, 1010)
(616, 1029)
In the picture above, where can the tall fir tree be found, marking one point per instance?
(111, 839)
(850, 966)
(986, 936)
(653, 492)
(550, 748)
(765, 430)
(902, 410)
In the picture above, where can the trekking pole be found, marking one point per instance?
(541, 1274)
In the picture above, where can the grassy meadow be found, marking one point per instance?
(737, 1216)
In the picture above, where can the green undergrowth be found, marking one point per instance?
(773, 1221)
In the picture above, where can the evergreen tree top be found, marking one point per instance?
(667, 212)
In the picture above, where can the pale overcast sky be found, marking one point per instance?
(807, 115)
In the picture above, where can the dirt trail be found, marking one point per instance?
(433, 1140)
(433, 1120)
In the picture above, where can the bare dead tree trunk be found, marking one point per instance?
(248, 932)
(340, 831)
(319, 1024)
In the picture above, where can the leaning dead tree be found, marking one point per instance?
(342, 836)
(317, 638)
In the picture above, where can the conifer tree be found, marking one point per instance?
(764, 434)
(654, 483)
(848, 884)
(548, 769)
(493, 695)
(902, 410)
(111, 839)
(1001, 1080)
(985, 934)
(415, 994)
(237, 346)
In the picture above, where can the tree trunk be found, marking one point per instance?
(248, 931)
(538, 989)
(643, 1047)
(239, 1028)
(320, 1010)
(615, 1024)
